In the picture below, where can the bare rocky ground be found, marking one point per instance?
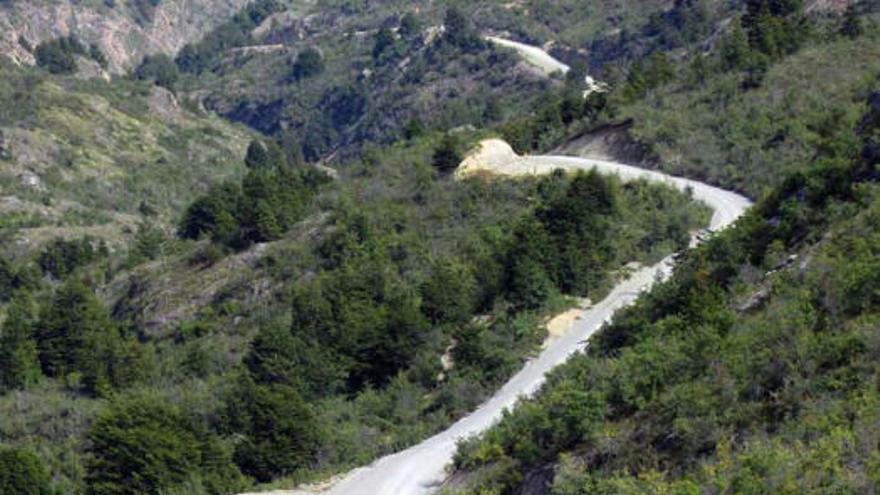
(117, 30)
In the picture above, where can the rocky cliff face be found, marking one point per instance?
(125, 30)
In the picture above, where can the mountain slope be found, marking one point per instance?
(124, 31)
(93, 157)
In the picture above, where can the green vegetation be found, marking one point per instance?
(749, 106)
(349, 329)
(60, 258)
(18, 347)
(22, 472)
(338, 92)
(188, 307)
(140, 446)
(309, 63)
(270, 200)
(754, 361)
(159, 69)
(103, 158)
(200, 56)
(76, 337)
(58, 56)
(372, 322)
(448, 154)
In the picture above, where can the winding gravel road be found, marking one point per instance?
(421, 469)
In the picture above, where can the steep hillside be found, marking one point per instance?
(753, 370)
(96, 158)
(125, 31)
(189, 306)
(386, 71)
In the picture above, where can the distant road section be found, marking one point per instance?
(533, 55)
(494, 156)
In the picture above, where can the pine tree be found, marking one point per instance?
(22, 472)
(76, 334)
(659, 70)
(265, 227)
(459, 32)
(19, 362)
(145, 446)
(449, 294)
(384, 41)
(447, 155)
(8, 278)
(410, 25)
(529, 265)
(852, 23)
(698, 71)
(149, 242)
(257, 156)
(277, 427)
(735, 48)
(308, 63)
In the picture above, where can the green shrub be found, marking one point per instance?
(447, 154)
(58, 56)
(309, 63)
(160, 69)
(62, 257)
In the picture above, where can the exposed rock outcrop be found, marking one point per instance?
(124, 33)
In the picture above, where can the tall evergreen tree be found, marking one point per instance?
(529, 265)
(76, 334)
(410, 26)
(383, 42)
(309, 63)
(257, 156)
(19, 362)
(278, 429)
(22, 472)
(852, 23)
(735, 47)
(447, 154)
(459, 32)
(449, 293)
(146, 446)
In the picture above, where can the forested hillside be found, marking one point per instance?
(180, 286)
(752, 370)
(245, 260)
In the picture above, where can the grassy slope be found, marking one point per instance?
(99, 150)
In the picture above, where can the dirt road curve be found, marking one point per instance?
(419, 470)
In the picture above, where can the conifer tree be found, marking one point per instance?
(19, 363)
(22, 473)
